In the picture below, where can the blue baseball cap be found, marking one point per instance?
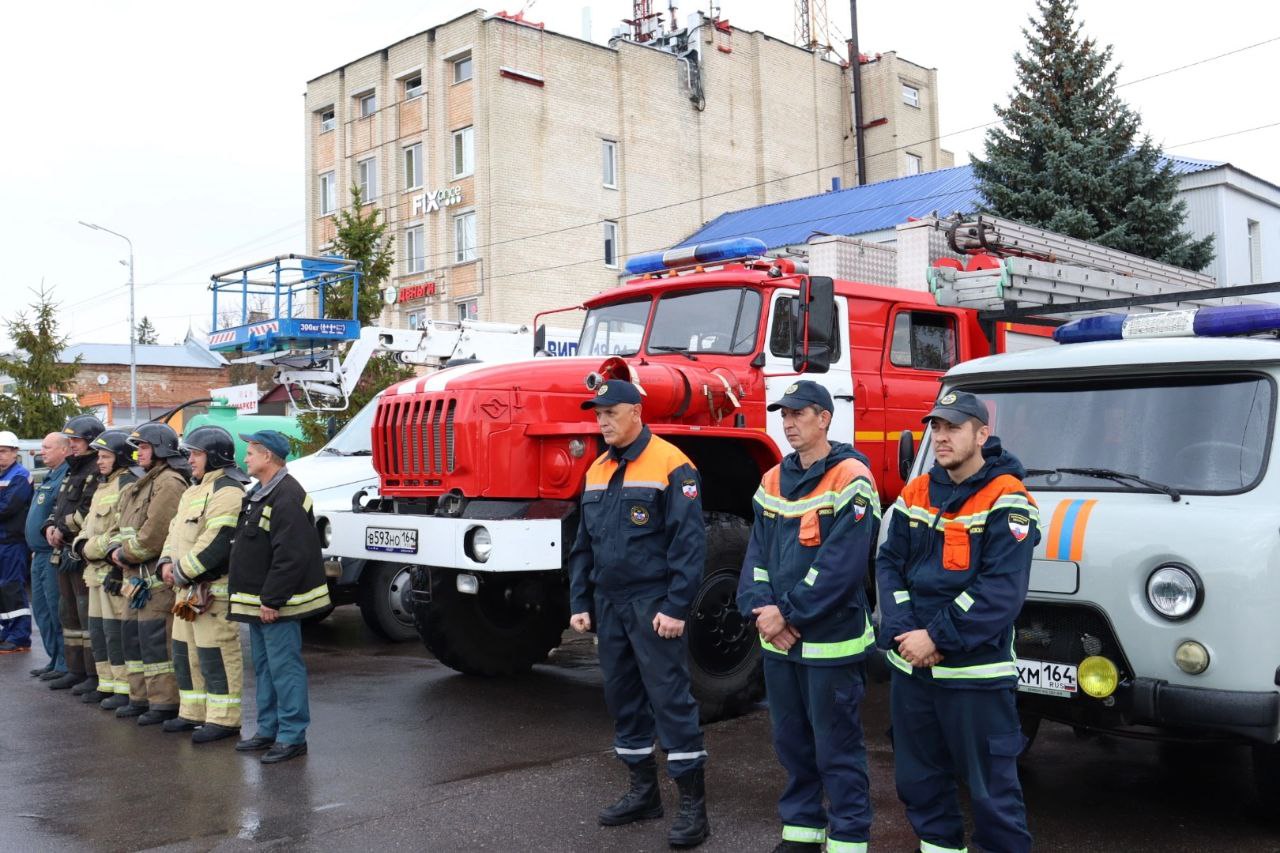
(806, 392)
(273, 440)
(956, 407)
(612, 393)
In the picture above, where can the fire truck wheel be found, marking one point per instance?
(724, 657)
(508, 625)
(386, 601)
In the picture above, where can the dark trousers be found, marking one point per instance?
(817, 734)
(280, 676)
(646, 686)
(15, 610)
(44, 607)
(944, 736)
(73, 613)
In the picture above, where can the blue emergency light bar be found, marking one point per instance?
(1217, 322)
(715, 252)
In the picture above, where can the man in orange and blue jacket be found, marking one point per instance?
(804, 583)
(952, 576)
(633, 572)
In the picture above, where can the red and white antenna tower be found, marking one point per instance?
(813, 27)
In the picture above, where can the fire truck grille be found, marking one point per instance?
(1067, 633)
(418, 434)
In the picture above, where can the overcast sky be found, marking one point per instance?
(184, 130)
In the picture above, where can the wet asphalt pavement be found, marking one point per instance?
(405, 754)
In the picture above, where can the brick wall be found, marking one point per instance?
(157, 386)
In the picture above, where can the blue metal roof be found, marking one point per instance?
(859, 210)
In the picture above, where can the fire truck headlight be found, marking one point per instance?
(1175, 592)
(478, 543)
(1098, 676)
(1191, 657)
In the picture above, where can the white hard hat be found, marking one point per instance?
(8, 439)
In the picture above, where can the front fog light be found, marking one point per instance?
(479, 544)
(1191, 657)
(1098, 677)
(468, 584)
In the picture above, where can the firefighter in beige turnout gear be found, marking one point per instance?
(206, 647)
(106, 610)
(146, 508)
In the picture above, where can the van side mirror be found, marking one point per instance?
(813, 325)
(906, 453)
(540, 339)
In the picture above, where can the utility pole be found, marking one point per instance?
(133, 330)
(855, 81)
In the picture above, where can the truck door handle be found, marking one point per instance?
(848, 397)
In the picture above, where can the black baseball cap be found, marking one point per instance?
(956, 407)
(806, 392)
(612, 393)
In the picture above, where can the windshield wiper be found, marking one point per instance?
(684, 351)
(330, 451)
(358, 453)
(1110, 474)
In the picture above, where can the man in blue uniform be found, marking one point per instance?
(804, 583)
(634, 569)
(952, 577)
(44, 576)
(15, 498)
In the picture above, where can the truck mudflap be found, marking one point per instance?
(521, 542)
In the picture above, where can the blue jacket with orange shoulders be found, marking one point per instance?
(956, 562)
(810, 545)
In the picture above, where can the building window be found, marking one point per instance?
(413, 166)
(463, 155)
(328, 193)
(415, 319)
(915, 164)
(415, 255)
(462, 69)
(367, 179)
(910, 95)
(610, 161)
(464, 237)
(327, 121)
(1255, 251)
(469, 309)
(368, 104)
(413, 87)
(610, 244)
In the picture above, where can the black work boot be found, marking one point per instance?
(154, 716)
(114, 702)
(641, 801)
(690, 828)
(87, 686)
(800, 847)
(65, 682)
(132, 710)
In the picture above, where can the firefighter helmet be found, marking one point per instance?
(115, 441)
(161, 437)
(217, 444)
(85, 427)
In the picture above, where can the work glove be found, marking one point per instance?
(138, 591)
(114, 581)
(69, 562)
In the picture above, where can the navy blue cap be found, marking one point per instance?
(612, 393)
(956, 407)
(273, 440)
(806, 392)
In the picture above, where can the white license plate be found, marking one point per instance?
(393, 540)
(1046, 677)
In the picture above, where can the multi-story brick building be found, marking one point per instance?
(519, 168)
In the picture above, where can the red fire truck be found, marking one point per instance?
(481, 466)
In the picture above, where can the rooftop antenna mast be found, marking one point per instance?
(813, 27)
(646, 24)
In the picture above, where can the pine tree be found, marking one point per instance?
(146, 333)
(1070, 156)
(42, 397)
(361, 236)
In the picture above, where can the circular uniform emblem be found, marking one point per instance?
(792, 389)
(948, 399)
(639, 516)
(602, 390)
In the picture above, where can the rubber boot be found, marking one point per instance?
(89, 685)
(690, 828)
(641, 801)
(94, 697)
(132, 710)
(71, 679)
(114, 702)
(155, 717)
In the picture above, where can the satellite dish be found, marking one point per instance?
(390, 294)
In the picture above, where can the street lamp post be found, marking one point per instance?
(133, 329)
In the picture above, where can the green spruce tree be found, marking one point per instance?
(1070, 155)
(361, 236)
(42, 396)
(146, 333)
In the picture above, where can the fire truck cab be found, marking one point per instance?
(480, 467)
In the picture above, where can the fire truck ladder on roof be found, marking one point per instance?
(1013, 266)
